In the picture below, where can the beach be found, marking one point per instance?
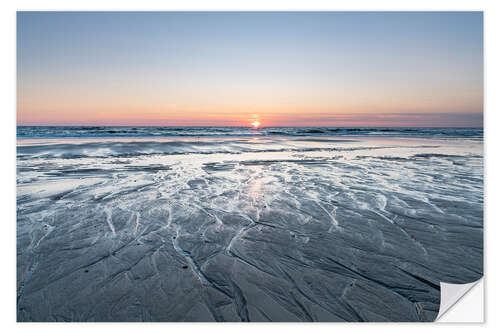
(233, 224)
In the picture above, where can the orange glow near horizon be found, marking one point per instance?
(109, 107)
(256, 124)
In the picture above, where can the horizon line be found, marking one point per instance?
(241, 126)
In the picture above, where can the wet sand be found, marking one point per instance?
(245, 229)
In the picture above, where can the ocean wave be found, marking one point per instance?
(149, 131)
(144, 148)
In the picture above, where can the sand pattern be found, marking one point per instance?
(246, 229)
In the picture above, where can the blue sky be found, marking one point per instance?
(229, 68)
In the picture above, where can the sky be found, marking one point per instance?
(233, 68)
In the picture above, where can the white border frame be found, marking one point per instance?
(8, 103)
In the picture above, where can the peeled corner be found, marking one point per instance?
(450, 294)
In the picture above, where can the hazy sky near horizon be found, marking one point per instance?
(230, 68)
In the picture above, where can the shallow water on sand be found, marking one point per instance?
(294, 228)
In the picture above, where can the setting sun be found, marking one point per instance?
(256, 124)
